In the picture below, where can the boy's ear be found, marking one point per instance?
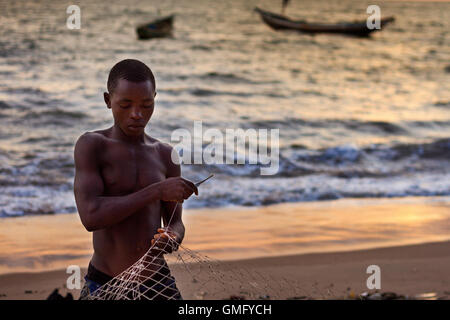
(154, 95)
(107, 98)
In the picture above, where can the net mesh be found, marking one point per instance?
(198, 277)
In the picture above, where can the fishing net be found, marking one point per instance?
(198, 277)
(151, 277)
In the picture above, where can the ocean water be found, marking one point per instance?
(356, 117)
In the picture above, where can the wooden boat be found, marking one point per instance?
(280, 22)
(160, 28)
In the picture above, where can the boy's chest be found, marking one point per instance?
(128, 169)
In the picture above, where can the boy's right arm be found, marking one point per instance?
(96, 211)
(99, 212)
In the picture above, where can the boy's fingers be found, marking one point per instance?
(195, 188)
(187, 188)
(161, 241)
(171, 234)
(191, 186)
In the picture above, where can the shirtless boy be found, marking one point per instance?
(125, 182)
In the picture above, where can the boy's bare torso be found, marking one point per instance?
(126, 168)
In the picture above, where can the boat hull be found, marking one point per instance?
(160, 28)
(279, 22)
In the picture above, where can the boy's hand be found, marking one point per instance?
(176, 189)
(165, 241)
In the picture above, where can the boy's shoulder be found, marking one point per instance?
(166, 153)
(164, 148)
(91, 138)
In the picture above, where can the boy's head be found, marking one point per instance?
(131, 70)
(131, 95)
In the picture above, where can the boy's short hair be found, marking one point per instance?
(131, 70)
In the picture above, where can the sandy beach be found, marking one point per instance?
(407, 270)
(320, 249)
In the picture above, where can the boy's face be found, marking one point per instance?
(132, 104)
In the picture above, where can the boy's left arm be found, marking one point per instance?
(173, 225)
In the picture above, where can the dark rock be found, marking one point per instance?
(68, 296)
(375, 296)
(389, 296)
(56, 296)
